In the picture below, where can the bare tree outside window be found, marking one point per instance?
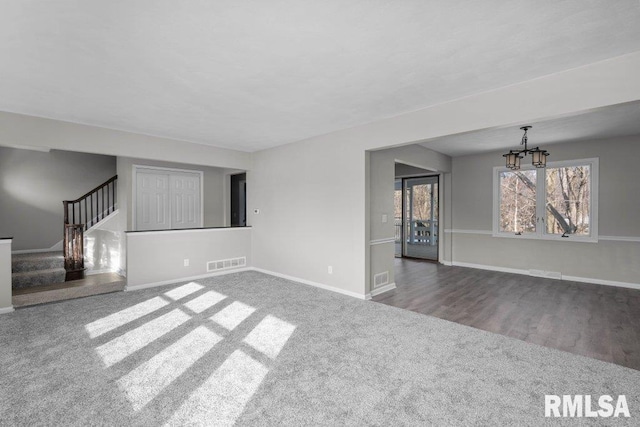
(422, 199)
(567, 206)
(397, 202)
(518, 202)
(568, 200)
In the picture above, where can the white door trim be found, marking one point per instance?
(160, 169)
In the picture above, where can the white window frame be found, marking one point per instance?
(541, 194)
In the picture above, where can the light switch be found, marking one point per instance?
(384, 218)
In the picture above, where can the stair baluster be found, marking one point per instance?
(73, 240)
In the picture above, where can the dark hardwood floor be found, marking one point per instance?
(602, 322)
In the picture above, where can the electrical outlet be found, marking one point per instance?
(186, 262)
(330, 269)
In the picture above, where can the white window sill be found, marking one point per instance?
(577, 239)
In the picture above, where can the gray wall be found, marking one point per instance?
(382, 173)
(33, 186)
(619, 206)
(5, 275)
(311, 199)
(156, 257)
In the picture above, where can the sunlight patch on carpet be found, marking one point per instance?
(183, 291)
(115, 320)
(145, 382)
(270, 336)
(119, 348)
(232, 315)
(222, 398)
(204, 301)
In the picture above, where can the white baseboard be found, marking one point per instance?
(182, 279)
(101, 271)
(449, 263)
(602, 282)
(6, 310)
(310, 283)
(117, 271)
(490, 268)
(383, 289)
(564, 277)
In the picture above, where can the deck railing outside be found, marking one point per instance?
(419, 232)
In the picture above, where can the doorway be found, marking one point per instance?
(416, 217)
(239, 200)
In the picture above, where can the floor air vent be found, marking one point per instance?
(380, 279)
(225, 264)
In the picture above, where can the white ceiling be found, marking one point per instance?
(608, 122)
(255, 74)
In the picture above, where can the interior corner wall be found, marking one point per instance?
(382, 188)
(213, 189)
(614, 258)
(33, 185)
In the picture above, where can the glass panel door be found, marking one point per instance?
(420, 218)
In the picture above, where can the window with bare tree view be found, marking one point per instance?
(518, 202)
(555, 201)
(568, 200)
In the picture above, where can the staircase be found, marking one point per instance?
(79, 216)
(37, 269)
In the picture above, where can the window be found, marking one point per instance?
(556, 202)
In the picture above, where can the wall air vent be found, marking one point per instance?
(380, 279)
(225, 264)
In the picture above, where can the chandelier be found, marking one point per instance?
(538, 156)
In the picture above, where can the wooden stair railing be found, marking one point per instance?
(80, 215)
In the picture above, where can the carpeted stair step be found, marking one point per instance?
(38, 278)
(21, 263)
(37, 269)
